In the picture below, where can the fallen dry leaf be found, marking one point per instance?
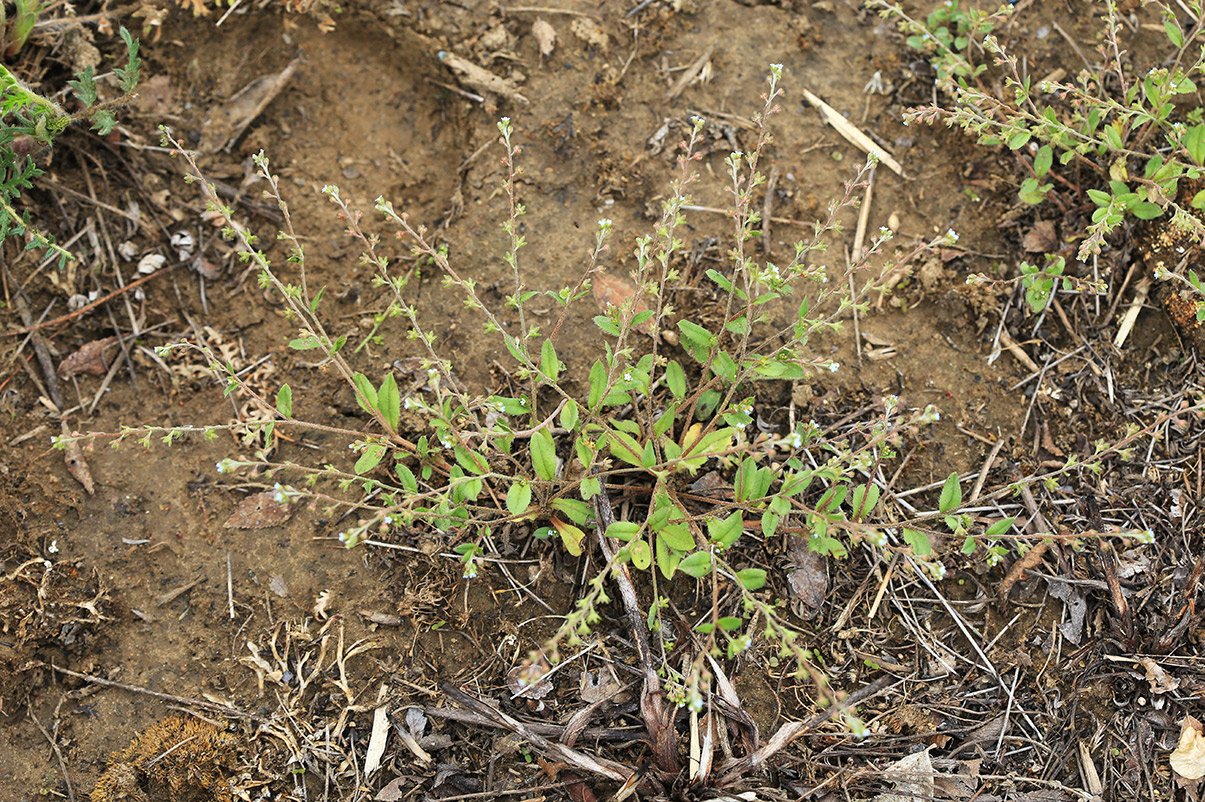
(912, 776)
(77, 466)
(808, 579)
(228, 121)
(91, 358)
(261, 511)
(545, 36)
(612, 290)
(1041, 238)
(1188, 759)
(1160, 681)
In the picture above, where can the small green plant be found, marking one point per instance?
(1132, 132)
(545, 457)
(30, 123)
(950, 36)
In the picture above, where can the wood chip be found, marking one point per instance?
(175, 593)
(481, 79)
(846, 129)
(261, 511)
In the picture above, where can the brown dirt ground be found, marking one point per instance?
(369, 109)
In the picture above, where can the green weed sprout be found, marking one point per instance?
(30, 122)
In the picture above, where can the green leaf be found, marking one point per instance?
(667, 559)
(666, 421)
(409, 482)
(675, 379)
(999, 527)
(306, 343)
(543, 455)
(128, 75)
(370, 459)
(642, 558)
(1146, 211)
(1019, 140)
(864, 500)
(751, 578)
(84, 86)
(697, 565)
(769, 523)
(725, 531)
(1042, 162)
(366, 394)
(1172, 28)
(317, 299)
(625, 447)
(571, 536)
(578, 511)
(284, 400)
(570, 415)
(696, 339)
(623, 530)
(598, 384)
(676, 536)
(590, 487)
(389, 401)
(730, 623)
(919, 542)
(951, 494)
(518, 497)
(550, 366)
(1194, 141)
(470, 460)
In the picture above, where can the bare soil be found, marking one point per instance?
(141, 584)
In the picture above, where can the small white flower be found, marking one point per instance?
(279, 495)
(937, 570)
(952, 234)
(523, 401)
(53, 548)
(833, 367)
(221, 466)
(794, 440)
(627, 375)
(47, 564)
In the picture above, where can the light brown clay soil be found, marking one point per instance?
(369, 108)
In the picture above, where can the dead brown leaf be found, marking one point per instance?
(91, 358)
(808, 580)
(1041, 238)
(1017, 572)
(611, 290)
(261, 511)
(545, 36)
(228, 121)
(1188, 759)
(77, 466)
